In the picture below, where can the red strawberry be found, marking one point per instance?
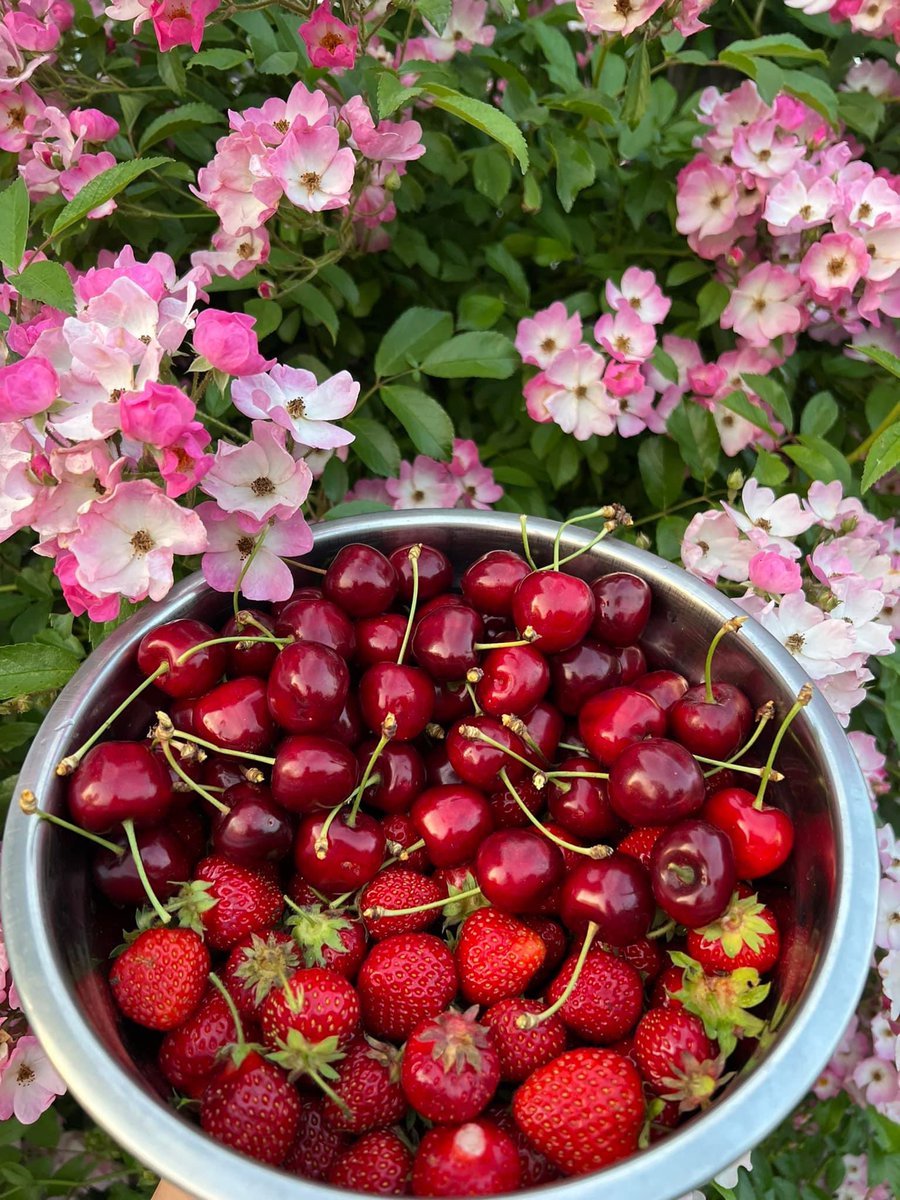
(665, 987)
(497, 956)
(450, 1067)
(315, 1006)
(161, 977)
(640, 841)
(256, 965)
(507, 813)
(536, 1167)
(584, 1110)
(398, 887)
(317, 1143)
(328, 938)
(664, 1036)
(645, 956)
(378, 1163)
(190, 1056)
(522, 1051)
(252, 1108)
(368, 1082)
(475, 1159)
(301, 893)
(405, 979)
(556, 942)
(225, 902)
(746, 935)
(605, 1002)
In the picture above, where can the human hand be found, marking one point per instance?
(166, 1191)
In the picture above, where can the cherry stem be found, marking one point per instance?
(732, 766)
(376, 913)
(71, 761)
(388, 730)
(765, 714)
(571, 746)
(803, 698)
(532, 1020)
(221, 641)
(128, 826)
(588, 851)
(662, 930)
(517, 726)
(192, 783)
(522, 641)
(248, 562)
(28, 805)
(247, 618)
(608, 512)
(576, 775)
(231, 1006)
(526, 549)
(407, 851)
(473, 734)
(413, 554)
(178, 735)
(730, 626)
(295, 562)
(479, 711)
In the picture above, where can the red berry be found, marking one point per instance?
(368, 1082)
(606, 1001)
(378, 1163)
(161, 977)
(317, 1003)
(664, 1036)
(403, 980)
(191, 1054)
(317, 1143)
(252, 1108)
(475, 1159)
(612, 720)
(235, 715)
(450, 1067)
(622, 608)
(227, 902)
(745, 935)
(255, 966)
(558, 607)
(522, 1051)
(497, 956)
(398, 887)
(761, 838)
(116, 781)
(167, 643)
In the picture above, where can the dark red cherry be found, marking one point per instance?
(614, 719)
(614, 893)
(255, 830)
(444, 600)
(348, 728)
(479, 762)
(622, 608)
(692, 872)
(181, 714)
(656, 782)
(506, 812)
(378, 639)
(555, 940)
(406, 692)
(498, 629)
(558, 607)
(583, 808)
(313, 771)
(438, 767)
(761, 838)
(451, 701)
(545, 725)
(443, 642)
(361, 580)
(167, 643)
(714, 730)
(434, 570)
(300, 593)
(353, 854)
(116, 781)
(308, 687)
(580, 672)
(167, 862)
(632, 662)
(315, 619)
(235, 715)
(665, 687)
(400, 833)
(453, 820)
(399, 775)
(190, 828)
(490, 581)
(257, 657)
(514, 679)
(517, 869)
(221, 771)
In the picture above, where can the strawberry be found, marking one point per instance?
(475, 1159)
(584, 1110)
(255, 966)
(317, 1143)
(190, 1055)
(328, 938)
(450, 1067)
(746, 935)
(640, 841)
(398, 887)
(252, 1108)
(405, 979)
(556, 942)
(497, 956)
(645, 956)
(161, 977)
(536, 1167)
(606, 1001)
(368, 1082)
(665, 987)
(522, 1051)
(668, 1041)
(225, 902)
(317, 1005)
(301, 893)
(378, 1163)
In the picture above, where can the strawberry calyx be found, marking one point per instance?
(299, 1056)
(462, 901)
(739, 925)
(313, 929)
(266, 963)
(721, 1000)
(693, 1083)
(385, 1055)
(191, 902)
(236, 1053)
(457, 1040)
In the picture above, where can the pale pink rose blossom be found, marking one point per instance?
(21, 117)
(234, 185)
(623, 379)
(80, 600)
(877, 1080)
(772, 572)
(184, 462)
(580, 405)
(713, 547)
(391, 141)
(636, 413)
(477, 485)
(778, 520)
(14, 68)
(873, 763)
(82, 473)
(625, 336)
(844, 690)
(329, 42)
(231, 541)
(19, 489)
(826, 501)
(373, 490)
(686, 356)
(93, 125)
(765, 305)
(293, 399)
(550, 331)
(640, 291)
(850, 557)
(260, 478)
(736, 433)
(536, 392)
(28, 1083)
(158, 415)
(464, 29)
(27, 387)
(834, 264)
(818, 642)
(313, 170)
(608, 16)
(424, 483)
(706, 198)
(860, 604)
(800, 200)
(273, 120)
(889, 970)
(875, 76)
(762, 149)
(234, 254)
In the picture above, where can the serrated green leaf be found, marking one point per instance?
(282, 62)
(770, 390)
(374, 445)
(587, 103)
(778, 45)
(391, 94)
(31, 667)
(813, 91)
(770, 471)
(883, 456)
(14, 214)
(486, 117)
(861, 111)
(479, 355)
(268, 315)
(410, 338)
(884, 358)
(820, 460)
(47, 282)
(480, 311)
(219, 58)
(171, 71)
(506, 264)
(426, 422)
(435, 12)
(637, 87)
(711, 301)
(187, 116)
(694, 429)
(561, 67)
(738, 402)
(575, 168)
(101, 188)
(491, 173)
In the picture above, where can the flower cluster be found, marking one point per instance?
(175, 22)
(612, 16)
(832, 611)
(871, 18)
(426, 482)
(465, 28)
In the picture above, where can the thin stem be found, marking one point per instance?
(221, 641)
(662, 930)
(192, 783)
(731, 626)
(525, 641)
(766, 713)
(28, 805)
(248, 561)
(377, 913)
(803, 698)
(180, 736)
(71, 761)
(607, 512)
(864, 447)
(413, 555)
(128, 826)
(588, 851)
(230, 1005)
(531, 1020)
(357, 794)
(526, 549)
(473, 734)
(576, 775)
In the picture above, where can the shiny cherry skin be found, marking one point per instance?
(307, 687)
(313, 771)
(612, 892)
(348, 728)
(692, 872)
(558, 607)
(614, 719)
(632, 663)
(315, 619)
(761, 838)
(255, 659)
(656, 782)
(235, 715)
(119, 780)
(622, 608)
(361, 581)
(400, 833)
(222, 771)
(167, 862)
(353, 853)
(404, 691)
(665, 687)
(438, 767)
(514, 679)
(545, 725)
(304, 592)
(191, 828)
(434, 570)
(489, 583)
(255, 830)
(451, 701)
(583, 808)
(714, 730)
(181, 713)
(580, 672)
(378, 639)
(168, 642)
(453, 820)
(480, 763)
(399, 772)
(443, 642)
(517, 869)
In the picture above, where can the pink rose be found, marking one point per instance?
(158, 415)
(27, 387)
(227, 341)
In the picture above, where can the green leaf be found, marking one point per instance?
(883, 456)
(665, 364)
(30, 668)
(14, 213)
(586, 103)
(770, 471)
(669, 536)
(637, 87)
(683, 272)
(740, 403)
(694, 429)
(770, 390)
(374, 445)
(820, 460)
(410, 338)
(355, 508)
(486, 117)
(426, 422)
(102, 188)
(861, 111)
(435, 12)
(16, 734)
(777, 45)
(282, 62)
(48, 282)
(171, 72)
(813, 91)
(219, 58)
(188, 116)
(884, 358)
(563, 467)
(392, 94)
(267, 313)
(473, 355)
(506, 264)
(820, 414)
(480, 311)
(711, 301)
(575, 168)
(318, 307)
(662, 471)
(492, 173)
(562, 69)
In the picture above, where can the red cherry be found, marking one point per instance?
(514, 679)
(489, 583)
(714, 730)
(235, 716)
(400, 772)
(479, 762)
(399, 833)
(348, 728)
(581, 672)
(451, 701)
(665, 687)
(622, 608)
(117, 781)
(507, 813)
(353, 853)
(256, 830)
(761, 838)
(256, 658)
(312, 771)
(517, 869)
(434, 571)
(444, 641)
(315, 619)
(300, 593)
(558, 607)
(438, 767)
(632, 662)
(583, 808)
(545, 726)
(308, 687)
(361, 581)
(612, 720)
(166, 860)
(655, 782)
(614, 893)
(181, 714)
(378, 639)
(453, 820)
(167, 643)
(406, 692)
(692, 872)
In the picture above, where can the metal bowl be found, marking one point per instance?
(58, 946)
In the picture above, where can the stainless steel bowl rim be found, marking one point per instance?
(735, 1124)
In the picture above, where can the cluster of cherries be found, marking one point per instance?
(381, 753)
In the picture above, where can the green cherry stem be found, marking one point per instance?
(221, 641)
(166, 731)
(576, 775)
(517, 726)
(413, 554)
(723, 766)
(388, 730)
(28, 805)
(192, 783)
(526, 549)
(763, 716)
(376, 913)
(528, 636)
(730, 626)
(662, 930)
(128, 826)
(803, 698)
(408, 851)
(67, 765)
(230, 1005)
(588, 851)
(607, 513)
(247, 618)
(473, 734)
(532, 1020)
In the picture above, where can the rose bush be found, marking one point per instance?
(272, 263)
